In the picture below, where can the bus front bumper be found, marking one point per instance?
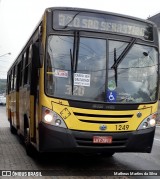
(56, 139)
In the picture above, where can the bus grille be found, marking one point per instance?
(102, 122)
(103, 118)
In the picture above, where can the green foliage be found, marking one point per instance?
(3, 85)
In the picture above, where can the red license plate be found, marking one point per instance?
(102, 139)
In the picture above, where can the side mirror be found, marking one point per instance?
(41, 49)
(37, 61)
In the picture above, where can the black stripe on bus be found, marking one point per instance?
(103, 122)
(102, 106)
(101, 115)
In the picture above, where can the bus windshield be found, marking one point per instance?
(134, 80)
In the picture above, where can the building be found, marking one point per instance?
(156, 20)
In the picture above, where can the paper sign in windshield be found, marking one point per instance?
(81, 79)
(61, 73)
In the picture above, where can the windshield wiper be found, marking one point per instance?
(115, 69)
(71, 70)
(77, 42)
(121, 57)
(123, 54)
(74, 58)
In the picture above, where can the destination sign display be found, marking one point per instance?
(68, 20)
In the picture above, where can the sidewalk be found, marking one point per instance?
(3, 119)
(12, 152)
(158, 120)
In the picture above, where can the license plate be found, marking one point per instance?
(102, 139)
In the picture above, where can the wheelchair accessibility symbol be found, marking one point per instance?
(111, 96)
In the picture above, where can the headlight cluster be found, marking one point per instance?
(52, 118)
(148, 122)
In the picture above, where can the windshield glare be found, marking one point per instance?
(137, 74)
(134, 80)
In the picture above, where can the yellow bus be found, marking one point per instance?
(86, 81)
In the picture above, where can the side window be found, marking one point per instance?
(9, 82)
(7, 87)
(24, 68)
(30, 54)
(27, 68)
(14, 77)
(21, 73)
(29, 63)
(25, 72)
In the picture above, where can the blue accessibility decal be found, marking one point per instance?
(111, 96)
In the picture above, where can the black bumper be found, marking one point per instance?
(55, 139)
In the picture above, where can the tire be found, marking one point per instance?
(107, 154)
(99, 155)
(29, 148)
(12, 128)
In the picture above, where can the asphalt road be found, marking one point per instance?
(13, 157)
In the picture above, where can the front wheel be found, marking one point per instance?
(107, 154)
(12, 128)
(29, 148)
(102, 155)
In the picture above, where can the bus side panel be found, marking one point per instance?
(13, 108)
(32, 120)
(8, 106)
(17, 110)
(24, 107)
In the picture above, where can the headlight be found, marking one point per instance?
(148, 122)
(52, 118)
(48, 118)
